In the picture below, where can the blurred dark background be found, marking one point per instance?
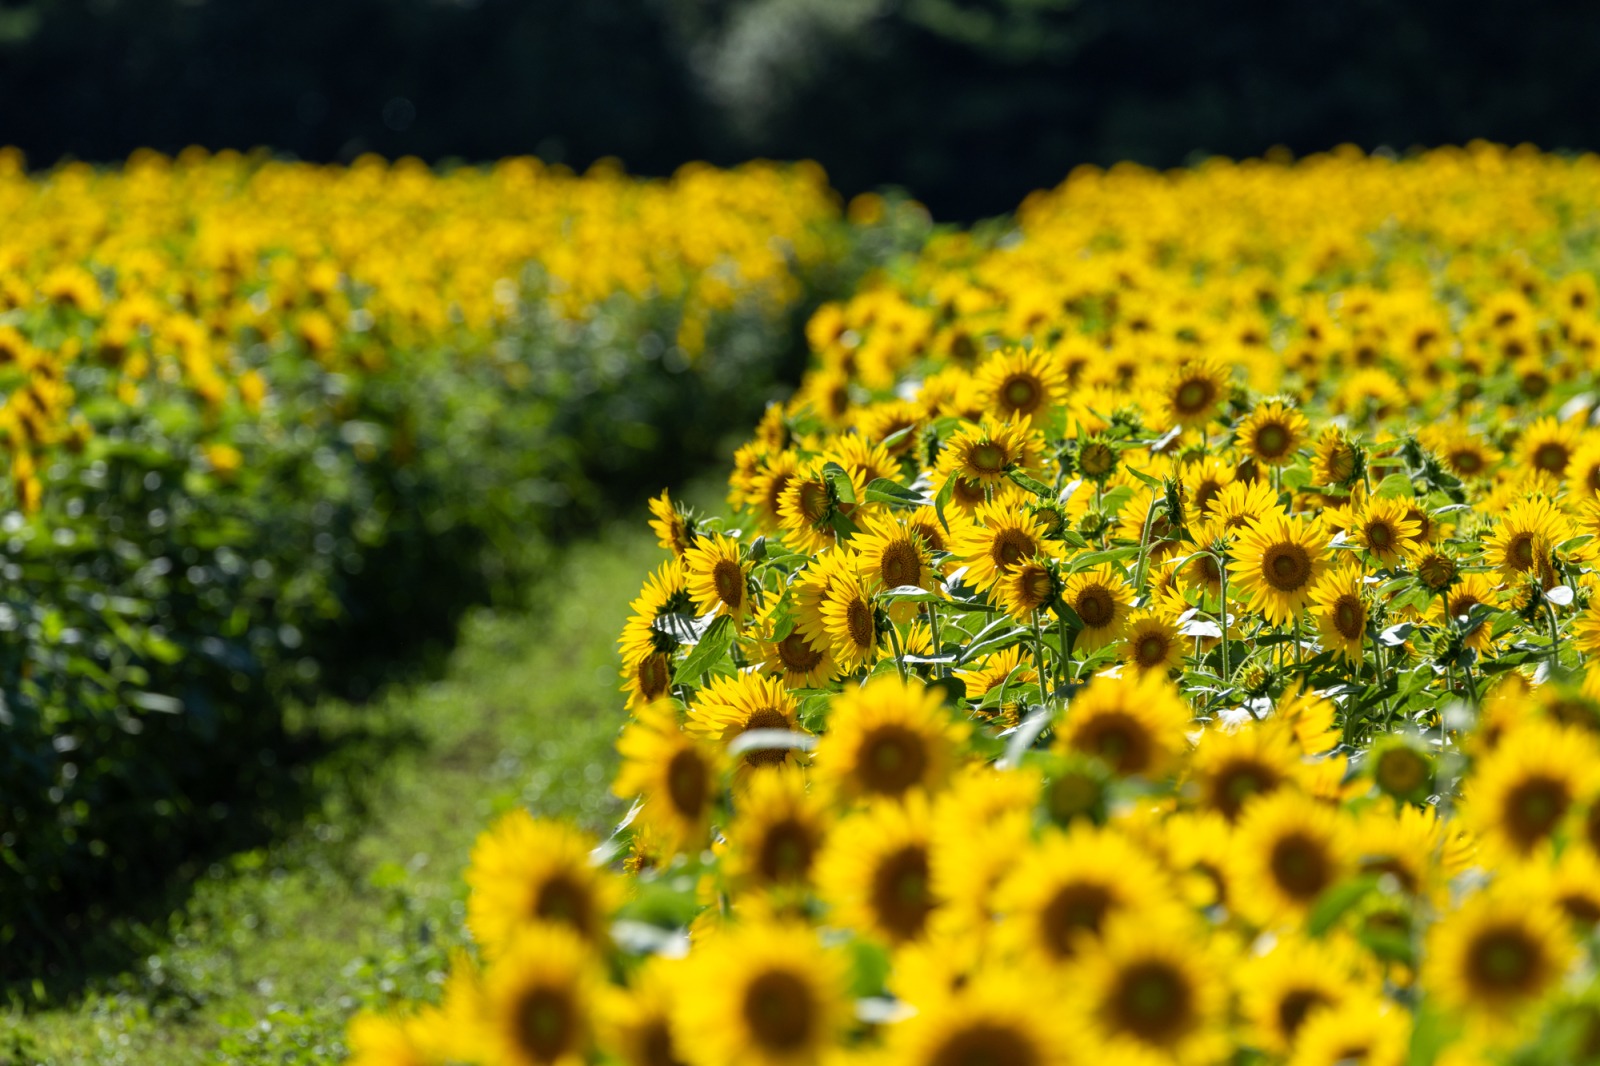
(967, 103)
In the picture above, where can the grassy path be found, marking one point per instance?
(276, 947)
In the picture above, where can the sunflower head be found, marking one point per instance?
(876, 873)
(1102, 599)
(1400, 767)
(887, 737)
(1136, 725)
(1278, 562)
(1273, 433)
(540, 998)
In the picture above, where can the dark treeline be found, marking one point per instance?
(967, 103)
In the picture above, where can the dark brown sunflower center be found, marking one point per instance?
(1505, 962)
(1022, 393)
(900, 564)
(547, 1024)
(1401, 771)
(1011, 547)
(1380, 536)
(688, 783)
(796, 655)
(1272, 441)
(901, 900)
(729, 581)
(1194, 396)
(779, 1011)
(1466, 461)
(1035, 587)
(1237, 781)
(891, 759)
(564, 901)
(1153, 1002)
(1349, 617)
(1300, 866)
(813, 501)
(655, 1044)
(1519, 553)
(786, 851)
(1118, 738)
(1580, 907)
(859, 623)
(1204, 493)
(986, 1043)
(766, 718)
(654, 676)
(1151, 650)
(1095, 606)
(1286, 566)
(1551, 457)
(1533, 807)
(1593, 478)
(987, 457)
(1096, 459)
(1295, 1005)
(1074, 910)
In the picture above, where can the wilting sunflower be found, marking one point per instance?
(1547, 446)
(728, 706)
(527, 871)
(540, 997)
(717, 580)
(1385, 530)
(1336, 460)
(1290, 848)
(1273, 433)
(1063, 890)
(636, 1025)
(672, 527)
(1523, 539)
(1276, 563)
(1340, 611)
(777, 832)
(1151, 643)
(1296, 977)
(981, 454)
(1496, 956)
(1253, 760)
(763, 994)
(677, 776)
(1194, 392)
(1102, 598)
(1002, 539)
(1018, 384)
(1152, 988)
(992, 1020)
(1363, 1028)
(1519, 793)
(886, 738)
(1137, 725)
(875, 871)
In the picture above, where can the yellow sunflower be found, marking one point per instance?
(717, 579)
(850, 621)
(1583, 472)
(1340, 611)
(1277, 563)
(1408, 843)
(672, 527)
(777, 832)
(677, 776)
(1273, 433)
(1384, 528)
(808, 506)
(875, 871)
(1102, 599)
(886, 738)
(1241, 504)
(1029, 587)
(540, 998)
(1001, 539)
(1336, 460)
(1311, 716)
(1520, 792)
(1193, 392)
(764, 994)
(892, 553)
(1137, 725)
(1290, 848)
(981, 454)
(992, 1020)
(1151, 643)
(1018, 385)
(1496, 957)
(1228, 768)
(527, 871)
(1006, 668)
(728, 706)
(795, 659)
(1547, 446)
(1524, 537)
(1363, 1028)
(1293, 979)
(636, 1025)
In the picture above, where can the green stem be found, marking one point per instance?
(1038, 657)
(899, 655)
(1222, 569)
(1555, 633)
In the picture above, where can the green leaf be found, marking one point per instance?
(942, 500)
(892, 493)
(1337, 901)
(911, 594)
(1395, 486)
(839, 478)
(1144, 478)
(712, 646)
(1033, 485)
(1110, 555)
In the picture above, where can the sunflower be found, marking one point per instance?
(379, 1040)
(875, 871)
(1102, 599)
(677, 776)
(886, 738)
(1548, 446)
(849, 621)
(1459, 601)
(767, 486)
(1204, 480)
(1384, 529)
(1363, 1028)
(1496, 956)
(1341, 612)
(1001, 540)
(1406, 843)
(981, 454)
(1273, 433)
(764, 994)
(1310, 716)
(992, 1020)
(1278, 563)
(1240, 505)
(1336, 460)
(717, 580)
(1296, 977)
(1519, 793)
(1151, 643)
(1029, 587)
(1401, 767)
(526, 872)
(880, 421)
(794, 659)
(1137, 725)
(864, 460)
(1005, 668)
(983, 823)
(728, 706)
(636, 1026)
(1016, 385)
(808, 507)
(777, 832)
(673, 529)
(1526, 534)
(540, 997)
(1466, 454)
(1062, 891)
(1583, 472)
(1193, 392)
(1586, 629)
(1230, 768)
(1290, 848)
(648, 639)
(1152, 988)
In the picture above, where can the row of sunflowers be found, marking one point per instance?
(1164, 631)
(270, 425)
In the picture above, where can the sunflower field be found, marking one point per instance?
(271, 426)
(1160, 629)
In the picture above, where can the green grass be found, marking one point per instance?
(275, 948)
